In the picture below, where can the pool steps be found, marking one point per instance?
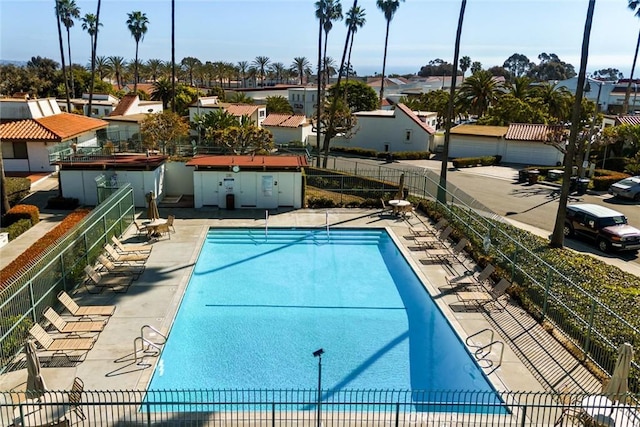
(302, 235)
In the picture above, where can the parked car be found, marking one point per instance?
(609, 229)
(628, 188)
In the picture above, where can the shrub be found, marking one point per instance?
(399, 155)
(19, 212)
(465, 162)
(603, 178)
(17, 189)
(63, 203)
(616, 164)
(17, 228)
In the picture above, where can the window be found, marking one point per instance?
(14, 150)
(94, 111)
(407, 135)
(261, 113)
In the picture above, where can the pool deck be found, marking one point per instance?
(533, 360)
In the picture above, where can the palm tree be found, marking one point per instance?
(389, 8)
(299, 65)
(190, 64)
(137, 24)
(68, 10)
(320, 7)
(64, 69)
(465, 63)
(442, 187)
(261, 63)
(117, 64)
(277, 68)
(332, 12)
(355, 19)
(162, 90)
(154, 68)
(520, 87)
(90, 24)
(557, 99)
(243, 69)
(557, 238)
(478, 92)
(633, 5)
(103, 67)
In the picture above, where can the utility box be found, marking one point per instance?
(4, 239)
(533, 176)
(231, 202)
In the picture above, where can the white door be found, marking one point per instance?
(535, 153)
(246, 196)
(267, 191)
(228, 187)
(286, 189)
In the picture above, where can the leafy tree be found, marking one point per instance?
(245, 139)
(551, 68)
(45, 75)
(478, 92)
(436, 67)
(278, 105)
(607, 74)
(184, 96)
(67, 11)
(163, 130)
(359, 95)
(518, 65)
(498, 71)
(389, 8)
(137, 24)
(634, 5)
(510, 109)
(219, 92)
(465, 63)
(435, 100)
(355, 19)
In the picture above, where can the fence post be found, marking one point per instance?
(273, 414)
(397, 413)
(524, 415)
(513, 263)
(587, 341)
(546, 295)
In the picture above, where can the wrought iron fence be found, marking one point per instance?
(592, 330)
(300, 407)
(28, 292)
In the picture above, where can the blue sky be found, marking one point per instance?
(422, 30)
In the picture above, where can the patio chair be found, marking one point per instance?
(386, 209)
(484, 299)
(470, 280)
(100, 281)
(60, 345)
(141, 229)
(170, 220)
(446, 254)
(163, 230)
(119, 269)
(75, 398)
(124, 257)
(73, 327)
(130, 248)
(429, 242)
(85, 310)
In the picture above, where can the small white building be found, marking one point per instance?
(205, 105)
(249, 182)
(303, 100)
(19, 108)
(391, 131)
(287, 128)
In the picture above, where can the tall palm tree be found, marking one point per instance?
(68, 10)
(243, 69)
(161, 91)
(389, 8)
(190, 65)
(332, 12)
(465, 63)
(478, 92)
(355, 19)
(633, 5)
(90, 24)
(103, 67)
(520, 87)
(299, 65)
(320, 8)
(277, 68)
(173, 56)
(64, 69)
(442, 187)
(154, 68)
(137, 24)
(557, 238)
(557, 99)
(118, 65)
(261, 62)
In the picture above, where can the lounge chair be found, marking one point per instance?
(170, 220)
(75, 398)
(162, 229)
(124, 257)
(469, 280)
(427, 242)
(85, 310)
(119, 269)
(445, 254)
(142, 229)
(130, 248)
(60, 345)
(421, 230)
(483, 299)
(115, 283)
(72, 326)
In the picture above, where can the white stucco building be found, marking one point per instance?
(287, 128)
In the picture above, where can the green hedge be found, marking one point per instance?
(603, 178)
(399, 155)
(19, 212)
(17, 189)
(17, 228)
(465, 162)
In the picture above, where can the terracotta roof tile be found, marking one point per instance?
(478, 130)
(531, 132)
(58, 127)
(284, 120)
(125, 103)
(240, 110)
(415, 118)
(248, 162)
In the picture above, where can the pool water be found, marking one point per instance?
(257, 306)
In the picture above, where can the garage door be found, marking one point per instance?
(531, 154)
(470, 148)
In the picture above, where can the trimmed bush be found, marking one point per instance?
(17, 189)
(616, 164)
(62, 203)
(603, 178)
(19, 212)
(399, 155)
(465, 162)
(17, 228)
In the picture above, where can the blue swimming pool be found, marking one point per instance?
(257, 306)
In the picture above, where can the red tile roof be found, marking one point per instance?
(240, 110)
(531, 132)
(415, 118)
(58, 127)
(629, 120)
(284, 120)
(118, 162)
(125, 103)
(248, 162)
(479, 130)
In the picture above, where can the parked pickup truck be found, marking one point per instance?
(609, 229)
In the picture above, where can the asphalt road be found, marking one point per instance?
(535, 205)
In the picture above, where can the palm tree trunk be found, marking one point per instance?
(173, 56)
(319, 97)
(557, 238)
(627, 95)
(64, 70)
(353, 36)
(442, 188)
(73, 89)
(93, 57)
(384, 62)
(3, 188)
(135, 71)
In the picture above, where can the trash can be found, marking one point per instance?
(583, 184)
(573, 184)
(231, 202)
(533, 176)
(523, 175)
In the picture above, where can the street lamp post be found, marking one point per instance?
(585, 161)
(318, 353)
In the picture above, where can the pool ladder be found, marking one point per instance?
(148, 347)
(482, 351)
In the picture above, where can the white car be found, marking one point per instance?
(628, 188)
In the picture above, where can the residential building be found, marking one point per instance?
(256, 113)
(23, 107)
(102, 104)
(287, 128)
